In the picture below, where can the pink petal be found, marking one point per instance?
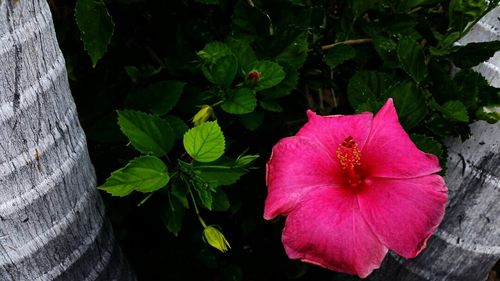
(404, 213)
(332, 130)
(298, 165)
(389, 151)
(328, 230)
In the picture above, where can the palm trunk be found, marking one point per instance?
(52, 224)
(487, 29)
(467, 244)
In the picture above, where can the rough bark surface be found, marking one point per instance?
(467, 244)
(487, 29)
(52, 224)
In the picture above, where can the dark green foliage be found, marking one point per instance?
(473, 54)
(96, 27)
(411, 57)
(245, 72)
(339, 54)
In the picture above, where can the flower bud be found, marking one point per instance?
(203, 114)
(253, 76)
(244, 161)
(216, 239)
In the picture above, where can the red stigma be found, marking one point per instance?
(350, 159)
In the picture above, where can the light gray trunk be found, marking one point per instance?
(467, 244)
(487, 29)
(52, 224)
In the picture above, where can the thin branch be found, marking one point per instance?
(200, 219)
(415, 10)
(348, 42)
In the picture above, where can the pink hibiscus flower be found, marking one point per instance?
(353, 187)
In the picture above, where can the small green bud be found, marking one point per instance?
(204, 55)
(203, 114)
(216, 239)
(244, 161)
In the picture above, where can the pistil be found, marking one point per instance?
(350, 159)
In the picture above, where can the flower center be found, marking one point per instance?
(350, 159)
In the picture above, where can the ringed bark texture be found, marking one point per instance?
(467, 244)
(487, 29)
(52, 224)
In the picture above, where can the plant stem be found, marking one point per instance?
(215, 167)
(348, 42)
(153, 54)
(196, 209)
(415, 10)
(145, 199)
(217, 103)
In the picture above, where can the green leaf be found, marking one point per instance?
(158, 98)
(455, 110)
(271, 74)
(143, 174)
(367, 86)
(172, 214)
(191, 178)
(180, 190)
(219, 175)
(339, 54)
(441, 127)
(285, 87)
(249, 22)
(205, 194)
(411, 58)
(271, 105)
(242, 50)
(96, 27)
(441, 84)
(147, 133)
(141, 72)
(409, 102)
(214, 51)
(222, 71)
(359, 7)
(445, 44)
(244, 161)
(220, 201)
(461, 12)
(474, 90)
(369, 106)
(487, 115)
(178, 126)
(253, 120)
(242, 101)
(205, 142)
(386, 49)
(296, 53)
(473, 54)
(427, 144)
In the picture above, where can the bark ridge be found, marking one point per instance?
(52, 224)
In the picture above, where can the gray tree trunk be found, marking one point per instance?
(467, 244)
(52, 224)
(487, 29)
